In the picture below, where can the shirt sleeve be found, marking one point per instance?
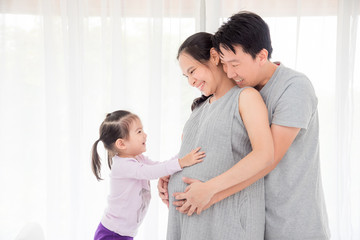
(146, 169)
(296, 105)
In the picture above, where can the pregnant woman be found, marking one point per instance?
(231, 125)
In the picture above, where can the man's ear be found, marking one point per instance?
(262, 56)
(214, 56)
(120, 144)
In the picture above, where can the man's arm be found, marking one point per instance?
(283, 138)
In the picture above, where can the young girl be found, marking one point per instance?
(125, 140)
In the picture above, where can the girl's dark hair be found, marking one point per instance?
(246, 29)
(116, 125)
(197, 46)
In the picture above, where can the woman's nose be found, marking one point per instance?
(191, 81)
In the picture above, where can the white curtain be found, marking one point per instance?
(64, 64)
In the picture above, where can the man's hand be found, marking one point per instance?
(195, 198)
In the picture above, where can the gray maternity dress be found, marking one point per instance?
(218, 129)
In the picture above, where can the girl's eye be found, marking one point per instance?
(192, 71)
(139, 131)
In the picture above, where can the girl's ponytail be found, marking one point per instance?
(96, 161)
(116, 125)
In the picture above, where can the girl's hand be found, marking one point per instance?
(192, 158)
(196, 197)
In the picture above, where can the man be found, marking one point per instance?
(295, 207)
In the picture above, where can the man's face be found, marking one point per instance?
(241, 67)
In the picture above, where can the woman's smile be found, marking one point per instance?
(200, 86)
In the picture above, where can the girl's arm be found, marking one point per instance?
(132, 168)
(255, 117)
(143, 168)
(148, 161)
(193, 157)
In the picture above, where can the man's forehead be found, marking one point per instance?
(227, 50)
(227, 55)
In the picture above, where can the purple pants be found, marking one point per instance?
(102, 233)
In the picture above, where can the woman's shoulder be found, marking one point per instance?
(248, 91)
(249, 96)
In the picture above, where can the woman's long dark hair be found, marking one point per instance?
(197, 46)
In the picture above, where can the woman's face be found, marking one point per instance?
(198, 74)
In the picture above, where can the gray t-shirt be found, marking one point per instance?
(295, 207)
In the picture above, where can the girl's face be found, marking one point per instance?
(198, 74)
(135, 144)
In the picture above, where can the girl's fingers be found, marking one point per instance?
(196, 150)
(198, 156)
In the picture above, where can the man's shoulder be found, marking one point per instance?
(288, 77)
(289, 74)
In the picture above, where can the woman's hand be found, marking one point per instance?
(163, 189)
(196, 197)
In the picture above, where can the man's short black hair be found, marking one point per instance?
(246, 29)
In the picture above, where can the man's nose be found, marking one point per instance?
(230, 72)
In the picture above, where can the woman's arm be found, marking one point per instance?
(255, 117)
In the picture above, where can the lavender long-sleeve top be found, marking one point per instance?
(130, 193)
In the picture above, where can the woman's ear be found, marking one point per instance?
(214, 56)
(120, 144)
(262, 56)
